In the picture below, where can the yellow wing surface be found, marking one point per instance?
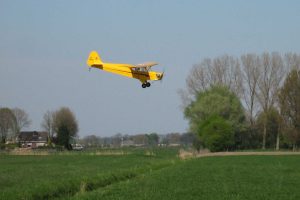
(140, 71)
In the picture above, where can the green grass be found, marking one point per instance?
(144, 174)
(237, 177)
(61, 176)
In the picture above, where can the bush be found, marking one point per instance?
(217, 134)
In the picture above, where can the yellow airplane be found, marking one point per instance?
(140, 71)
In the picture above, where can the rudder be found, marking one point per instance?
(94, 59)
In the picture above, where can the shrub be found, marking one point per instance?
(217, 134)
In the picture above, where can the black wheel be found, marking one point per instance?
(144, 85)
(148, 84)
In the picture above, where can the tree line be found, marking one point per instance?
(251, 101)
(62, 127)
(139, 140)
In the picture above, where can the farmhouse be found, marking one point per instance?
(33, 139)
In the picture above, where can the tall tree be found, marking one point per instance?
(224, 70)
(21, 120)
(48, 124)
(273, 126)
(251, 73)
(7, 122)
(65, 126)
(272, 74)
(289, 98)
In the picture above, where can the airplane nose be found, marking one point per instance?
(159, 76)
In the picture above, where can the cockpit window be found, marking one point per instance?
(139, 69)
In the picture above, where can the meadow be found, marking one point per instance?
(63, 175)
(144, 174)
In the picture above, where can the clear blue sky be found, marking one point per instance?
(44, 46)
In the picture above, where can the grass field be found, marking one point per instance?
(143, 175)
(62, 176)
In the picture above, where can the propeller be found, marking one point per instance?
(162, 76)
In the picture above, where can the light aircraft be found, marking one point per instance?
(141, 72)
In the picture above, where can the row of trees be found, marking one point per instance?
(256, 95)
(152, 139)
(61, 125)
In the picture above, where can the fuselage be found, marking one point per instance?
(129, 71)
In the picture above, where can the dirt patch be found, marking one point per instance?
(271, 153)
(110, 153)
(184, 154)
(194, 154)
(26, 151)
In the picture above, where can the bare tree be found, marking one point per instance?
(198, 79)
(223, 70)
(292, 61)
(251, 73)
(272, 74)
(48, 123)
(21, 120)
(7, 121)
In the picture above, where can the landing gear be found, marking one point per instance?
(146, 84)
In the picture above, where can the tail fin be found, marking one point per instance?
(94, 59)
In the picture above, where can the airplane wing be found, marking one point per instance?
(147, 65)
